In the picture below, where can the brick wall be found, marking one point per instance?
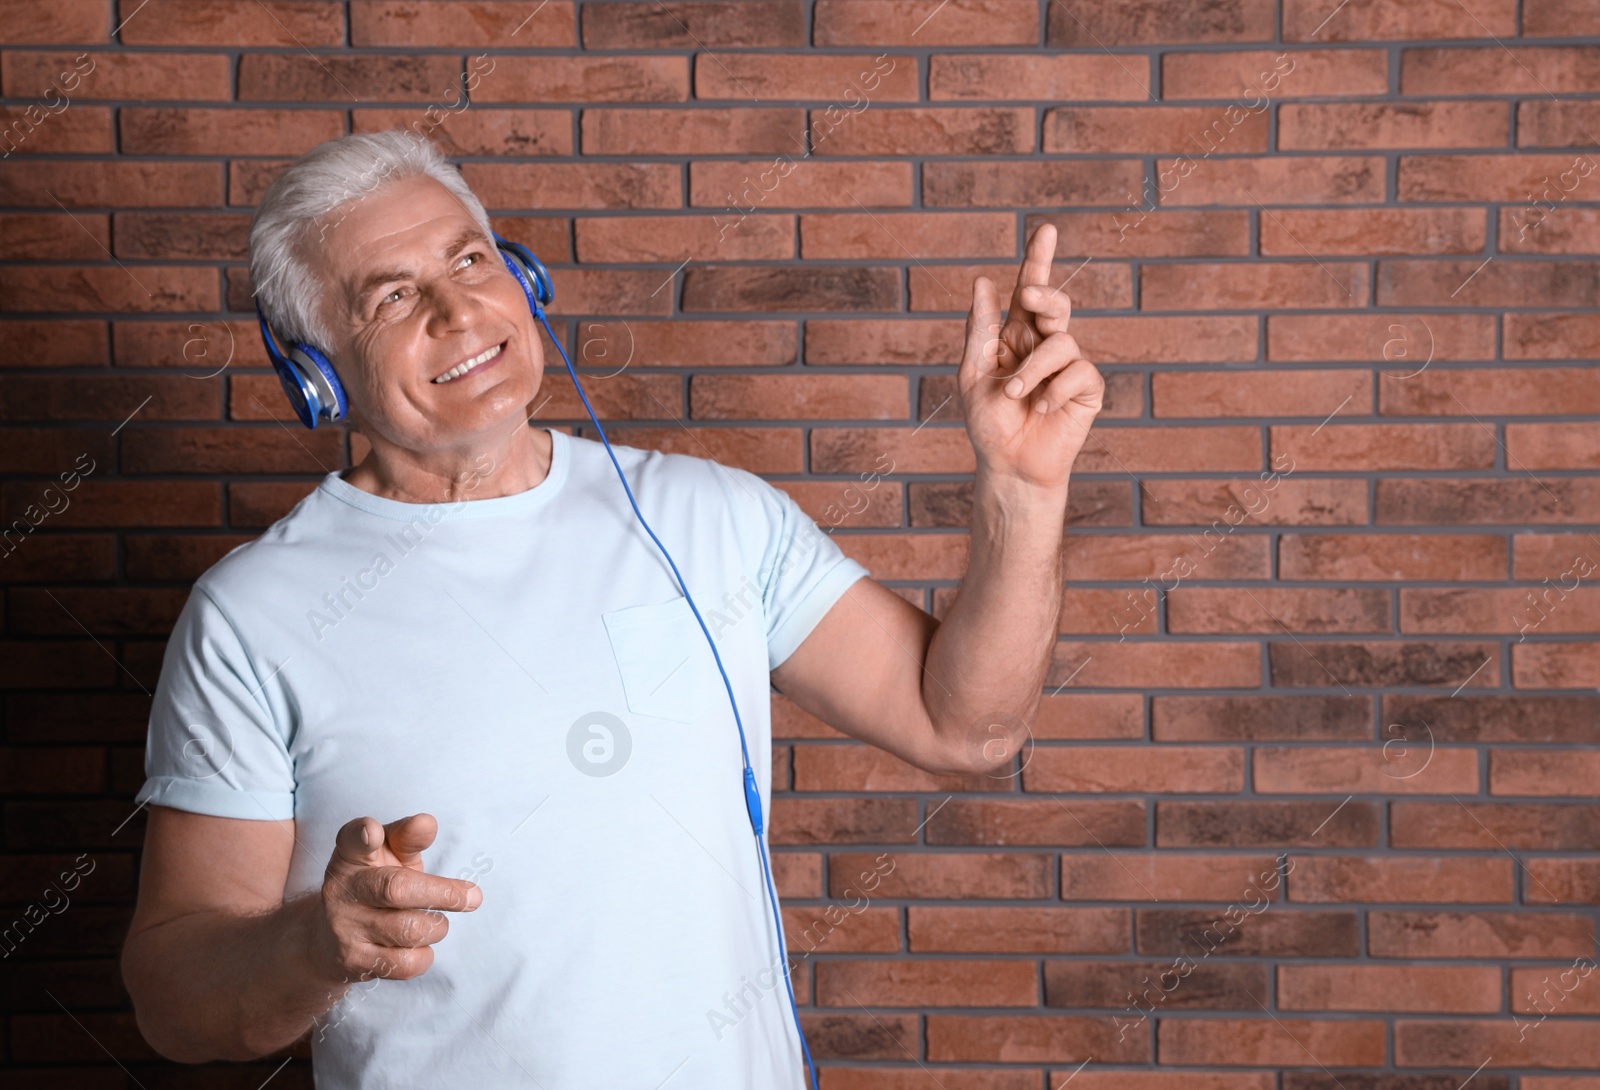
(1311, 802)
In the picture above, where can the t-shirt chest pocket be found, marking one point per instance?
(667, 668)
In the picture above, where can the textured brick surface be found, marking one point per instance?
(1311, 804)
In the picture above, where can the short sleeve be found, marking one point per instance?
(213, 745)
(801, 570)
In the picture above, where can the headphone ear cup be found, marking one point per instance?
(319, 375)
(530, 273)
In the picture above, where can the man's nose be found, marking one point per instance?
(455, 305)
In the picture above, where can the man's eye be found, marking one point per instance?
(465, 257)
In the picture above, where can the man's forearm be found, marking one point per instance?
(211, 986)
(991, 652)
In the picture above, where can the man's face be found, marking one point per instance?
(414, 289)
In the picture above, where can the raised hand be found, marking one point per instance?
(381, 911)
(1029, 397)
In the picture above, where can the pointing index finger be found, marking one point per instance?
(1036, 263)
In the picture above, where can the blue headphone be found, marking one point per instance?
(315, 394)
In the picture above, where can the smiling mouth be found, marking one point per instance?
(468, 366)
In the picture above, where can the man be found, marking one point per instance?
(461, 677)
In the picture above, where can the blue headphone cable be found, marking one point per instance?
(752, 793)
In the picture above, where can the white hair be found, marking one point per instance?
(330, 175)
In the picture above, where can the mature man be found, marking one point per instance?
(461, 676)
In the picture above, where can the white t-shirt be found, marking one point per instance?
(526, 669)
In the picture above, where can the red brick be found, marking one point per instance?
(1563, 881)
(102, 611)
(823, 288)
(1389, 556)
(1139, 769)
(1490, 718)
(1467, 70)
(145, 76)
(51, 236)
(1384, 446)
(739, 186)
(1495, 826)
(1271, 610)
(1460, 1043)
(1562, 989)
(1556, 124)
(691, 24)
(1096, 24)
(1452, 989)
(1266, 824)
(1543, 772)
(1365, 20)
(942, 982)
(57, 557)
(892, 235)
(1556, 666)
(478, 132)
(1519, 391)
(1054, 823)
(1406, 342)
(1454, 664)
(38, 22)
(109, 397)
(1139, 233)
(646, 131)
(1192, 130)
(1167, 1080)
(575, 185)
(585, 79)
(1231, 75)
(1512, 177)
(1031, 183)
(1406, 770)
(1571, 229)
(68, 183)
(1546, 610)
(35, 130)
(1558, 18)
(1479, 935)
(102, 288)
(1297, 179)
(637, 239)
(946, 874)
(1161, 876)
(56, 664)
(1262, 393)
(292, 77)
(1247, 929)
(1119, 985)
(436, 24)
(1167, 557)
(1423, 502)
(1031, 1039)
(933, 130)
(1260, 718)
(40, 770)
(191, 131)
(1268, 1041)
(1370, 231)
(1348, 879)
(994, 77)
(1190, 665)
(763, 397)
(292, 24)
(1221, 501)
(126, 503)
(940, 929)
(843, 821)
(844, 78)
(911, 23)
(1256, 285)
(905, 341)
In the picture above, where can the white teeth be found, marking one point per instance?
(462, 368)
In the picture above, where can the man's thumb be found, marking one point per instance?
(359, 843)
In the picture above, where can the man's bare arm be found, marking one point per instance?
(221, 967)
